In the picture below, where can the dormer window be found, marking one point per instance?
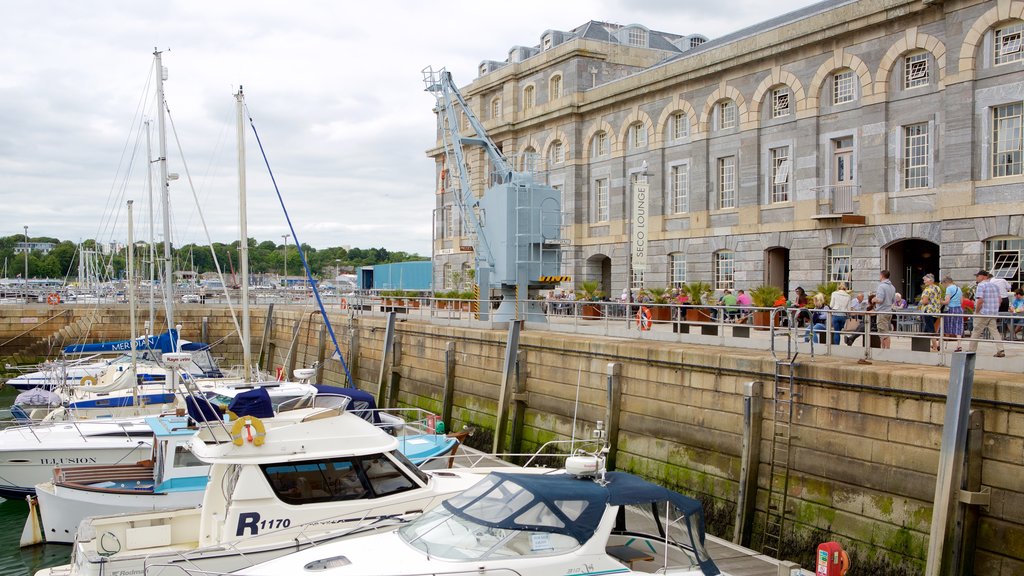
(547, 43)
(637, 36)
(483, 69)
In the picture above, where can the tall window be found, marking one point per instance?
(449, 221)
(915, 70)
(496, 108)
(529, 97)
(530, 159)
(1007, 44)
(1003, 258)
(726, 114)
(680, 188)
(1006, 139)
(637, 135)
(599, 145)
(725, 271)
(839, 264)
(842, 87)
(780, 102)
(601, 200)
(637, 37)
(446, 280)
(727, 182)
(680, 126)
(676, 269)
(915, 156)
(556, 154)
(780, 167)
(555, 87)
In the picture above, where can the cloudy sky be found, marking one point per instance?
(334, 88)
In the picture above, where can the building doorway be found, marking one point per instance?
(599, 267)
(776, 268)
(908, 261)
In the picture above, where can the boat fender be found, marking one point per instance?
(87, 380)
(248, 424)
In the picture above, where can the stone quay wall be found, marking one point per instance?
(865, 439)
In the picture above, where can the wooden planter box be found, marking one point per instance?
(591, 311)
(762, 319)
(413, 303)
(441, 304)
(695, 314)
(661, 313)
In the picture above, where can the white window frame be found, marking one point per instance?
(724, 266)
(1004, 258)
(916, 156)
(449, 221)
(636, 36)
(726, 114)
(555, 87)
(916, 70)
(1008, 43)
(446, 280)
(637, 135)
(780, 166)
(496, 107)
(529, 160)
(529, 97)
(839, 264)
(556, 154)
(676, 269)
(1007, 123)
(782, 102)
(726, 182)
(844, 89)
(548, 43)
(602, 206)
(680, 126)
(599, 145)
(679, 185)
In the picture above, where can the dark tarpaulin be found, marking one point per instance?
(202, 410)
(363, 403)
(255, 402)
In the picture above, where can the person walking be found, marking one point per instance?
(953, 321)
(885, 295)
(987, 298)
(839, 302)
(931, 306)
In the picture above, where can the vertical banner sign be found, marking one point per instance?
(639, 228)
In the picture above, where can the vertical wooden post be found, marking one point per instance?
(321, 353)
(750, 459)
(448, 397)
(967, 515)
(507, 373)
(266, 356)
(353, 351)
(396, 375)
(293, 349)
(204, 334)
(389, 338)
(519, 404)
(612, 409)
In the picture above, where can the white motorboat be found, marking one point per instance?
(309, 476)
(513, 524)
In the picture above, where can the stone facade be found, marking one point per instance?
(822, 145)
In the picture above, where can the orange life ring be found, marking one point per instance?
(53, 299)
(344, 304)
(643, 318)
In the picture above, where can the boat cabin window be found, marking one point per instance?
(184, 457)
(410, 467)
(442, 534)
(336, 479)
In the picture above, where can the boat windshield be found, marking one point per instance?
(441, 534)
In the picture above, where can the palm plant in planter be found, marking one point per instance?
(764, 296)
(661, 312)
(697, 293)
(589, 291)
(827, 288)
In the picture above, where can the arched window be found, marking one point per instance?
(637, 136)
(676, 269)
(839, 264)
(599, 145)
(725, 270)
(679, 126)
(1006, 43)
(555, 87)
(496, 108)
(844, 86)
(726, 114)
(1003, 258)
(529, 97)
(556, 153)
(781, 102)
(916, 70)
(529, 159)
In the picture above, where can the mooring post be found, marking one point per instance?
(448, 395)
(204, 331)
(321, 353)
(613, 407)
(750, 459)
(507, 374)
(519, 403)
(293, 349)
(353, 351)
(265, 357)
(389, 339)
(396, 375)
(971, 497)
(941, 541)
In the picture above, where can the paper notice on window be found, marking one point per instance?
(540, 541)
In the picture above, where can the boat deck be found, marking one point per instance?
(739, 561)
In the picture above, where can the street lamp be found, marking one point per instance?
(26, 264)
(285, 249)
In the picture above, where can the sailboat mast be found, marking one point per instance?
(243, 232)
(164, 189)
(131, 282)
(152, 230)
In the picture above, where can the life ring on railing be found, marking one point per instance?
(643, 318)
(87, 380)
(249, 423)
(53, 299)
(344, 304)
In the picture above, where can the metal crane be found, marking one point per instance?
(515, 226)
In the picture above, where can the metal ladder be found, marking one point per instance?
(784, 396)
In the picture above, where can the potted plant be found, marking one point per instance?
(697, 293)
(589, 292)
(764, 296)
(661, 312)
(467, 297)
(388, 297)
(827, 288)
(412, 298)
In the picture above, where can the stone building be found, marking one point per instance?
(824, 144)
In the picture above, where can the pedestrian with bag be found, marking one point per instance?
(987, 298)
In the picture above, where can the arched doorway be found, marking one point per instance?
(908, 261)
(776, 268)
(599, 267)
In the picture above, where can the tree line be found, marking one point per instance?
(264, 258)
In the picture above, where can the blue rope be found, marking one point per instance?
(302, 255)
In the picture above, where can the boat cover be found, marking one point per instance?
(37, 397)
(362, 404)
(255, 402)
(202, 410)
(165, 342)
(565, 504)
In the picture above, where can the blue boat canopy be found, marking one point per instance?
(255, 402)
(363, 403)
(165, 342)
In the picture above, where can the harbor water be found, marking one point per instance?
(15, 561)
